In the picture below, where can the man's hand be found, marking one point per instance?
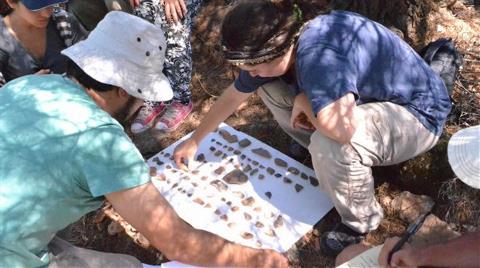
(403, 258)
(184, 153)
(175, 10)
(301, 108)
(43, 71)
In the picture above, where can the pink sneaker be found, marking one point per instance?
(174, 116)
(145, 117)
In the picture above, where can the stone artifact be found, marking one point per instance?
(219, 185)
(313, 181)
(244, 143)
(298, 187)
(262, 152)
(293, 170)
(280, 162)
(235, 176)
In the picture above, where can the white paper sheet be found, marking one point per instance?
(223, 213)
(367, 259)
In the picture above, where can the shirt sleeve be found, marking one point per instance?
(325, 75)
(109, 161)
(246, 83)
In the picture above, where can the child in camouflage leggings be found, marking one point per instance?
(178, 66)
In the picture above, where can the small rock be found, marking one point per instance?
(224, 217)
(247, 235)
(244, 143)
(254, 171)
(247, 216)
(262, 152)
(153, 171)
(278, 175)
(270, 170)
(313, 181)
(304, 176)
(287, 180)
(269, 195)
(219, 185)
(259, 224)
(248, 201)
(219, 170)
(280, 162)
(199, 201)
(201, 157)
(247, 168)
(293, 170)
(261, 177)
(278, 222)
(235, 176)
(298, 187)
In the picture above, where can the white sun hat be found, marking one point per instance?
(128, 52)
(464, 155)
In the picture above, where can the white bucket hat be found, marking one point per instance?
(464, 155)
(127, 52)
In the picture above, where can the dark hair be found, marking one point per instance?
(74, 71)
(260, 30)
(5, 9)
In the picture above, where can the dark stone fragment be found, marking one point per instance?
(237, 152)
(261, 177)
(287, 180)
(278, 175)
(261, 166)
(247, 216)
(167, 155)
(224, 156)
(247, 168)
(304, 176)
(298, 187)
(195, 172)
(218, 143)
(280, 162)
(224, 146)
(313, 181)
(212, 148)
(254, 172)
(218, 153)
(247, 236)
(293, 170)
(230, 149)
(200, 157)
(255, 163)
(243, 156)
(244, 143)
(270, 170)
(262, 152)
(224, 217)
(235, 176)
(168, 167)
(268, 194)
(227, 136)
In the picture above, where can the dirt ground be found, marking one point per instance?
(426, 174)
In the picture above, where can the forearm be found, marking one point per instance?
(202, 248)
(463, 251)
(228, 102)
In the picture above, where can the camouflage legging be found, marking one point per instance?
(178, 58)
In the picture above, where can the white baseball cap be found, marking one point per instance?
(128, 52)
(464, 155)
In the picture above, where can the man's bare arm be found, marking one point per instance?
(146, 210)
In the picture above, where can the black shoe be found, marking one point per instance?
(335, 241)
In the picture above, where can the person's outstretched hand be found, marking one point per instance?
(184, 153)
(405, 257)
(175, 10)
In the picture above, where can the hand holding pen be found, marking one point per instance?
(397, 252)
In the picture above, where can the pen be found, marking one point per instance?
(411, 230)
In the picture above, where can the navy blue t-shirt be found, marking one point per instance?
(343, 52)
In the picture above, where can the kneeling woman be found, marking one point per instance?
(342, 85)
(32, 36)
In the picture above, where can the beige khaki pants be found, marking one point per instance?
(387, 134)
(63, 254)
